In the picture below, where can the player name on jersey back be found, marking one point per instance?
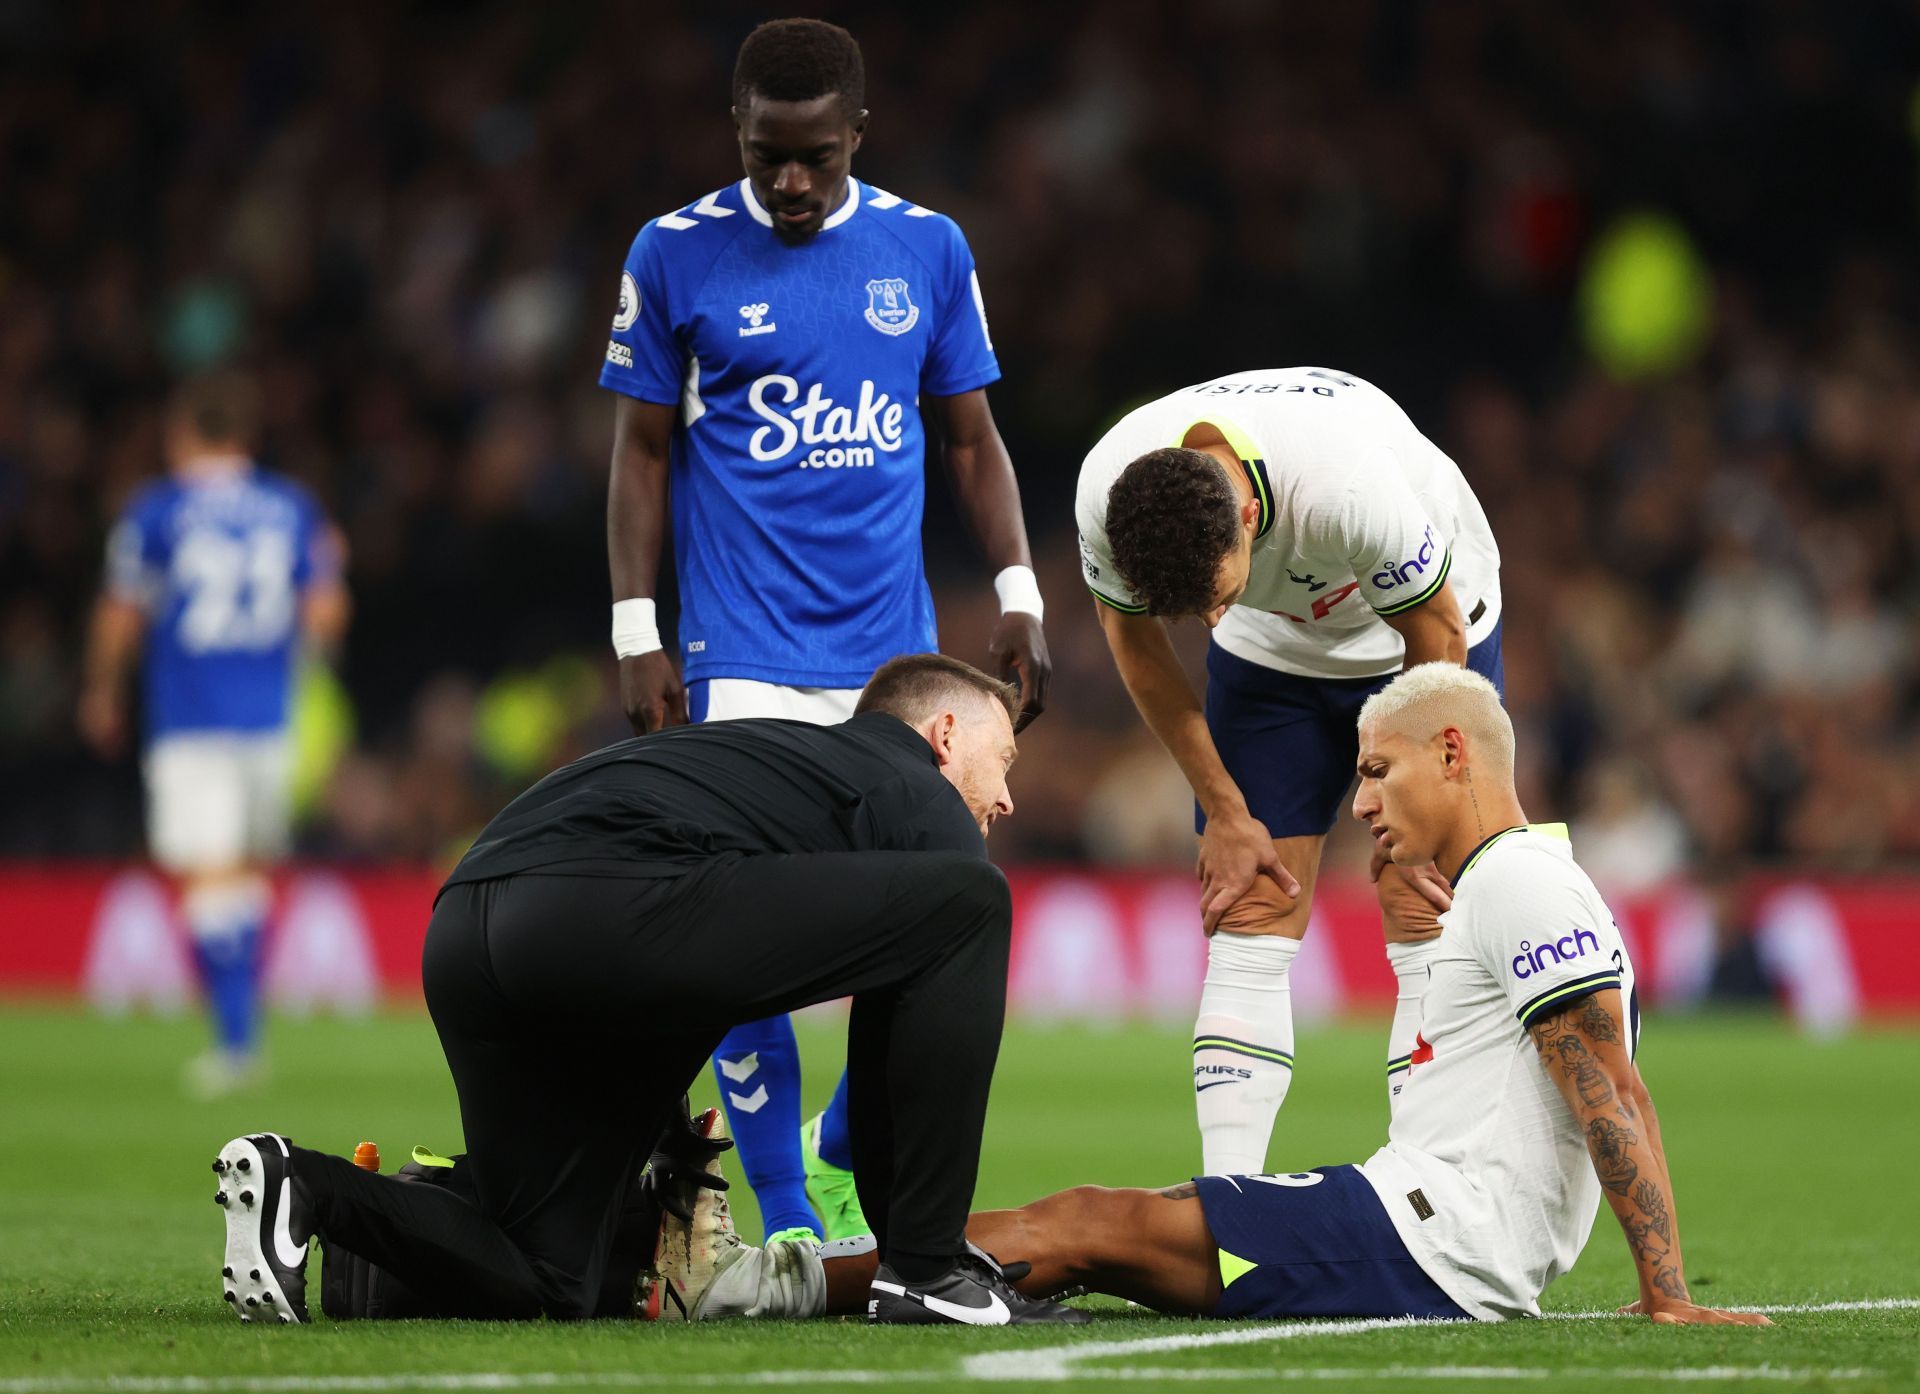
(798, 468)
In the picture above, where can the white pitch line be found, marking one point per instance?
(634, 1379)
(1058, 1362)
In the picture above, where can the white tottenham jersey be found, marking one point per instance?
(1360, 516)
(1485, 1173)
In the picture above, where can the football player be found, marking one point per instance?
(222, 570)
(1523, 1107)
(1328, 545)
(782, 349)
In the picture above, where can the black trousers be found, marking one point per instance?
(575, 1011)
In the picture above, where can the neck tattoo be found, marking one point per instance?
(1479, 826)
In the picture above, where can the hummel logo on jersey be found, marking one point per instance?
(753, 314)
(874, 422)
(1313, 586)
(888, 308)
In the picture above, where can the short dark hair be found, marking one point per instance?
(797, 60)
(913, 685)
(222, 408)
(1172, 517)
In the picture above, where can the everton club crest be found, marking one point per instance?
(888, 308)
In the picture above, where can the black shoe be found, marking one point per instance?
(265, 1275)
(975, 1292)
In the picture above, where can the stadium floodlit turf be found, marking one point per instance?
(1793, 1163)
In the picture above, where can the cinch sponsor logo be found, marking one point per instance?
(1392, 574)
(1531, 960)
(874, 422)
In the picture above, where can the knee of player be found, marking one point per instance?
(983, 887)
(1266, 909)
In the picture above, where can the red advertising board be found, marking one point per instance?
(1087, 944)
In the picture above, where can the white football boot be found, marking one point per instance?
(704, 1271)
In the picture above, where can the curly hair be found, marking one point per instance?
(1172, 518)
(797, 60)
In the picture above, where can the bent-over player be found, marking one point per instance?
(1523, 1106)
(1329, 545)
(603, 933)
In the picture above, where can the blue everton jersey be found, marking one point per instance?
(219, 565)
(798, 471)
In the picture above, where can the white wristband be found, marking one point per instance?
(1019, 589)
(634, 630)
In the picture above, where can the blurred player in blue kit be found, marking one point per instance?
(220, 571)
(779, 348)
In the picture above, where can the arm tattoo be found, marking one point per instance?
(1186, 1190)
(1653, 1204)
(1598, 1022)
(1596, 1091)
(1608, 1142)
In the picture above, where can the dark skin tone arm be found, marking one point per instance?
(1150, 1247)
(650, 686)
(983, 481)
(1584, 1049)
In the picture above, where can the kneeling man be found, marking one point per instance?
(604, 932)
(1523, 1109)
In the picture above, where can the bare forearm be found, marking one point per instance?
(989, 494)
(1167, 703)
(1585, 1053)
(636, 520)
(113, 643)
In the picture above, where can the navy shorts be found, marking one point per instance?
(1290, 742)
(1297, 1246)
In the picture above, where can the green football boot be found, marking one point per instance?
(831, 1188)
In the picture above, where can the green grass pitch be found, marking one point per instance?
(1793, 1164)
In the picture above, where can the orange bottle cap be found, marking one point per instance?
(367, 1156)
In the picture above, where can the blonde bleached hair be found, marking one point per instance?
(1429, 697)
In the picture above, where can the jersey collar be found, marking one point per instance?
(846, 210)
(1250, 461)
(1555, 830)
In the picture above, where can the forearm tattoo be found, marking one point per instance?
(1608, 1143)
(1186, 1190)
(1653, 1204)
(1567, 1042)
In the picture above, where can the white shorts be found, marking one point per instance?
(730, 699)
(219, 800)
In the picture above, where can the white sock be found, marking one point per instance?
(1242, 1049)
(1410, 973)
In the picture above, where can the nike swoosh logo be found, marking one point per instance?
(995, 1313)
(290, 1254)
(1203, 1088)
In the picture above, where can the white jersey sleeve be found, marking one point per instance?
(1096, 552)
(1399, 555)
(1543, 933)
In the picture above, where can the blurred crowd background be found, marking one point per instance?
(1647, 271)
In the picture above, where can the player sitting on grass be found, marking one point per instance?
(1524, 1106)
